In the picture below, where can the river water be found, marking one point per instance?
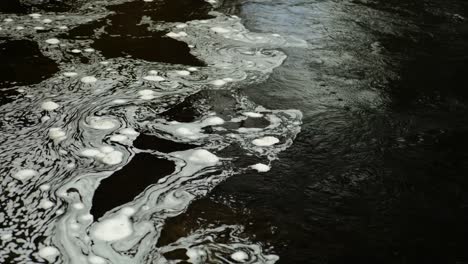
(242, 131)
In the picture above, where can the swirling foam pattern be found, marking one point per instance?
(62, 137)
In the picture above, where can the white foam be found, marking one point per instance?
(48, 253)
(44, 187)
(70, 74)
(46, 204)
(106, 149)
(57, 134)
(47, 21)
(96, 259)
(183, 25)
(90, 153)
(19, 28)
(195, 255)
(240, 256)
(76, 51)
(183, 73)
(260, 167)
(192, 69)
(49, 106)
(265, 141)
(119, 101)
(8, 20)
(89, 50)
(25, 174)
(42, 28)
(176, 35)
(145, 92)
(112, 229)
(204, 157)
(213, 121)
(89, 79)
(153, 72)
(220, 30)
(112, 158)
(52, 41)
(6, 236)
(78, 206)
(63, 27)
(129, 132)
(218, 82)
(253, 114)
(35, 15)
(154, 78)
(118, 138)
(102, 123)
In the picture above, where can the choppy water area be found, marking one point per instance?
(116, 116)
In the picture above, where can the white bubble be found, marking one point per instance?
(192, 69)
(102, 123)
(145, 92)
(76, 51)
(25, 174)
(183, 25)
(78, 206)
(213, 121)
(44, 187)
(8, 20)
(89, 50)
(119, 101)
(129, 132)
(118, 138)
(89, 153)
(63, 27)
(112, 158)
(49, 106)
(89, 79)
(154, 78)
(260, 167)
(153, 72)
(47, 21)
(52, 41)
(46, 204)
(6, 236)
(218, 82)
(48, 253)
(70, 74)
(202, 156)
(183, 73)
(35, 15)
(96, 259)
(19, 28)
(240, 256)
(252, 114)
(112, 229)
(265, 141)
(42, 28)
(220, 30)
(57, 134)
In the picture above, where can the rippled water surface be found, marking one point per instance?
(243, 131)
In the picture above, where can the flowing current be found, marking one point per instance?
(140, 113)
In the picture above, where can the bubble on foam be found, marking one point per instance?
(89, 153)
(183, 73)
(8, 20)
(102, 123)
(177, 35)
(52, 41)
(25, 174)
(112, 229)
(49, 253)
(70, 74)
(112, 158)
(49, 105)
(88, 79)
(195, 255)
(253, 114)
(44, 187)
(35, 15)
(128, 132)
(93, 259)
(46, 204)
(265, 141)
(154, 78)
(220, 30)
(118, 138)
(6, 236)
(76, 51)
(203, 156)
(119, 101)
(240, 256)
(78, 206)
(42, 28)
(213, 121)
(192, 69)
(146, 94)
(218, 82)
(260, 167)
(57, 134)
(62, 27)
(47, 21)
(89, 50)
(19, 28)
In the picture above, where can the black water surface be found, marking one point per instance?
(149, 142)
(124, 185)
(29, 6)
(127, 36)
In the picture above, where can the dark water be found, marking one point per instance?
(378, 173)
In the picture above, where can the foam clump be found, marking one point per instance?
(96, 260)
(218, 82)
(48, 253)
(204, 157)
(105, 154)
(118, 138)
(49, 105)
(260, 167)
(195, 255)
(146, 94)
(57, 134)
(154, 78)
(70, 74)
(265, 141)
(88, 79)
(52, 41)
(253, 114)
(25, 174)
(113, 229)
(129, 132)
(46, 204)
(220, 30)
(213, 121)
(101, 123)
(240, 256)
(183, 73)
(176, 35)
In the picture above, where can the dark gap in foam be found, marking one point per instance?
(22, 63)
(125, 35)
(222, 102)
(29, 6)
(7, 96)
(124, 185)
(144, 141)
(177, 254)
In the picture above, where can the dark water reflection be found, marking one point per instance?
(378, 173)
